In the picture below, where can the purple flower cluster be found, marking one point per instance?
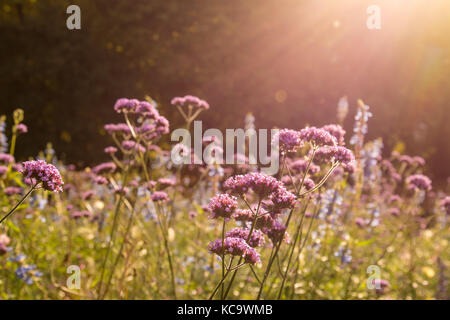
(21, 128)
(340, 154)
(41, 172)
(126, 105)
(9, 191)
(419, 181)
(235, 247)
(222, 205)
(160, 196)
(336, 131)
(129, 145)
(104, 167)
(110, 150)
(243, 215)
(4, 241)
(319, 137)
(113, 128)
(282, 199)
(289, 140)
(277, 232)
(256, 239)
(190, 101)
(261, 184)
(6, 158)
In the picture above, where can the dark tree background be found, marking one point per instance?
(287, 61)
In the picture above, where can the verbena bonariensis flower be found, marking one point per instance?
(21, 128)
(419, 181)
(222, 205)
(104, 167)
(130, 145)
(277, 232)
(87, 195)
(160, 196)
(9, 191)
(243, 215)
(282, 199)
(406, 159)
(126, 105)
(4, 241)
(235, 247)
(308, 184)
(147, 110)
(340, 154)
(419, 161)
(190, 101)
(100, 180)
(261, 184)
(112, 128)
(3, 170)
(110, 150)
(256, 239)
(394, 211)
(162, 125)
(336, 131)
(237, 184)
(6, 158)
(41, 172)
(166, 182)
(319, 137)
(289, 140)
(360, 222)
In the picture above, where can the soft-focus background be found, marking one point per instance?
(286, 61)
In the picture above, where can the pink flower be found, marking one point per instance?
(319, 137)
(41, 172)
(419, 181)
(190, 101)
(160, 196)
(222, 205)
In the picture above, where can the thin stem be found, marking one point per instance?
(255, 219)
(223, 256)
(111, 235)
(18, 204)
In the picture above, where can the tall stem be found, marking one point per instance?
(18, 204)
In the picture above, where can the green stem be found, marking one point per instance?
(18, 204)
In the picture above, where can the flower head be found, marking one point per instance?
(126, 105)
(190, 101)
(21, 128)
(419, 181)
(336, 131)
(222, 205)
(235, 247)
(256, 239)
(289, 140)
(6, 158)
(160, 196)
(319, 137)
(41, 172)
(104, 167)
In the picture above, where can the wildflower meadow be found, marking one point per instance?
(337, 221)
(224, 158)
